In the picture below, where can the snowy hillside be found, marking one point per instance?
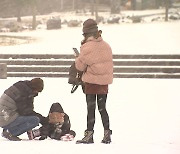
(144, 113)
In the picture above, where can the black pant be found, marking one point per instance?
(91, 106)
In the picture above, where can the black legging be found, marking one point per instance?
(91, 106)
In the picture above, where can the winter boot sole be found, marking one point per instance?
(9, 136)
(83, 142)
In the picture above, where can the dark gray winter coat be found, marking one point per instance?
(16, 101)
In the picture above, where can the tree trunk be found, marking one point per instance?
(133, 4)
(34, 17)
(92, 7)
(96, 10)
(19, 16)
(73, 4)
(62, 4)
(167, 2)
(19, 8)
(115, 6)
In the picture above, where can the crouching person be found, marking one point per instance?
(17, 114)
(58, 127)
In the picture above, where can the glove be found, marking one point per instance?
(56, 117)
(67, 137)
(57, 132)
(43, 137)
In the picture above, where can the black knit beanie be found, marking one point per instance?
(56, 107)
(37, 84)
(90, 26)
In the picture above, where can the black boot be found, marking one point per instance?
(9, 136)
(107, 137)
(88, 137)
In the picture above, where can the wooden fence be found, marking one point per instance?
(57, 65)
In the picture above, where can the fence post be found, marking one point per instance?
(3, 71)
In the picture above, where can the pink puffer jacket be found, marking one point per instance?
(95, 59)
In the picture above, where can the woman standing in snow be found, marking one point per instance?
(17, 113)
(95, 60)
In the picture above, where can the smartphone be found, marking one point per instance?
(76, 51)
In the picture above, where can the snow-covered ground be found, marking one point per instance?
(143, 38)
(144, 116)
(144, 113)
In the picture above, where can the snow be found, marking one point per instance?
(151, 38)
(144, 113)
(144, 116)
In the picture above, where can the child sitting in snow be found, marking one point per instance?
(58, 127)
